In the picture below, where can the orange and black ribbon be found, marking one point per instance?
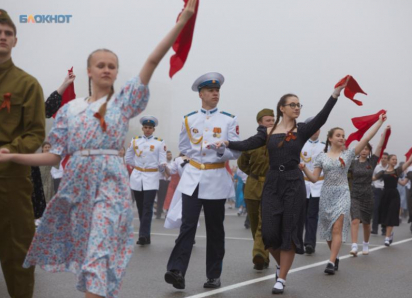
(102, 122)
(342, 162)
(290, 136)
(6, 102)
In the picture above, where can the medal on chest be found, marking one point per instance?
(217, 132)
(152, 148)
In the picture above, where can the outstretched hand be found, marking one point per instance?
(338, 90)
(4, 155)
(382, 118)
(302, 166)
(188, 12)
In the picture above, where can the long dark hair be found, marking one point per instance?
(330, 134)
(103, 107)
(282, 102)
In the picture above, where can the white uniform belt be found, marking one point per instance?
(88, 152)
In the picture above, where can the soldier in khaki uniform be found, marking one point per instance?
(255, 163)
(22, 123)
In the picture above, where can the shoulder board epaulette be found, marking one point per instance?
(190, 114)
(323, 143)
(227, 114)
(159, 139)
(137, 137)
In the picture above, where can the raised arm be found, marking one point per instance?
(407, 164)
(54, 101)
(160, 51)
(359, 147)
(307, 130)
(381, 141)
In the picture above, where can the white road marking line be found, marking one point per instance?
(272, 276)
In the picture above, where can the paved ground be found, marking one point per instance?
(385, 272)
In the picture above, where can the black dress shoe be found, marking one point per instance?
(309, 249)
(175, 278)
(336, 264)
(212, 283)
(259, 262)
(330, 269)
(265, 266)
(374, 232)
(143, 241)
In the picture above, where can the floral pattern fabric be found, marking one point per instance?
(335, 195)
(87, 227)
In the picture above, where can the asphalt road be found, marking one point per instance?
(385, 272)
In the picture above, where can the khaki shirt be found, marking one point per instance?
(21, 129)
(254, 163)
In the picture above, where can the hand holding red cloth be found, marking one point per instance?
(183, 43)
(408, 154)
(351, 88)
(68, 94)
(385, 142)
(362, 124)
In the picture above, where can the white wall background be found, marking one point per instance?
(264, 48)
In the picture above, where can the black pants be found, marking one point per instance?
(215, 244)
(161, 195)
(377, 195)
(144, 202)
(311, 222)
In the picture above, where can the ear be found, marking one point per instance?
(89, 72)
(142, 128)
(15, 42)
(154, 129)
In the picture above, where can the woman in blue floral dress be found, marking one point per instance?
(334, 203)
(87, 228)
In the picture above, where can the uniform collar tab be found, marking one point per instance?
(209, 112)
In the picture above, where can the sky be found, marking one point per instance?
(263, 48)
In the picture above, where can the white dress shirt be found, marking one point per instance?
(310, 150)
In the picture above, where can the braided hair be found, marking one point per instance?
(330, 134)
(279, 114)
(103, 107)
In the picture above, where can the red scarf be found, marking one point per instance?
(183, 43)
(351, 89)
(362, 124)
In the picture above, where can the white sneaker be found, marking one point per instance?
(365, 248)
(354, 250)
(387, 241)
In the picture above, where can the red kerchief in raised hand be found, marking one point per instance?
(68, 94)
(385, 142)
(408, 154)
(6, 102)
(351, 89)
(183, 43)
(362, 124)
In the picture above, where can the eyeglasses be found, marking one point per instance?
(294, 105)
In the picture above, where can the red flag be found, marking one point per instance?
(351, 89)
(408, 154)
(385, 142)
(183, 43)
(362, 124)
(68, 94)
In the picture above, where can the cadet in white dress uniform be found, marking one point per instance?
(147, 154)
(310, 150)
(205, 182)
